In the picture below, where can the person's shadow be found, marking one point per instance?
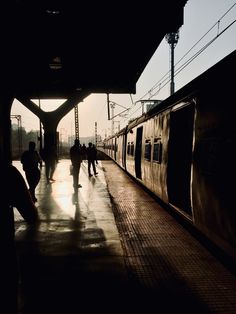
(67, 266)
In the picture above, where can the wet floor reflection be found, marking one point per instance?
(74, 250)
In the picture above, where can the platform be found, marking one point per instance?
(112, 248)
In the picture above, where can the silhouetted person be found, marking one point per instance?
(92, 158)
(84, 152)
(50, 158)
(95, 154)
(31, 161)
(76, 159)
(14, 193)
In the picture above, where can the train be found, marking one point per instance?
(183, 152)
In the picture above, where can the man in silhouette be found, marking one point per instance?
(51, 159)
(92, 158)
(76, 159)
(84, 152)
(31, 162)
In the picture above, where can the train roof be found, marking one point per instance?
(208, 83)
(219, 74)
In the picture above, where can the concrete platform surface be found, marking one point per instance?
(111, 248)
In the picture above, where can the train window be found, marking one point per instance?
(157, 151)
(132, 149)
(128, 148)
(147, 152)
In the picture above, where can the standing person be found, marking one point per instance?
(76, 159)
(14, 193)
(92, 157)
(50, 158)
(95, 154)
(31, 161)
(84, 152)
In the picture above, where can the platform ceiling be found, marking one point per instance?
(51, 49)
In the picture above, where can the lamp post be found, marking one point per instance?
(172, 39)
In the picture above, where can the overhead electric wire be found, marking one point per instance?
(182, 66)
(162, 80)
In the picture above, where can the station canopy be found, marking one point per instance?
(52, 49)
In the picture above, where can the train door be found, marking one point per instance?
(115, 148)
(180, 158)
(124, 151)
(138, 153)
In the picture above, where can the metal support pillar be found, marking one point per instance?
(96, 134)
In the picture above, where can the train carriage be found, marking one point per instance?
(183, 151)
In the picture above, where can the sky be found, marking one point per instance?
(203, 21)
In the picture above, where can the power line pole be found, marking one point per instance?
(76, 122)
(112, 117)
(96, 134)
(172, 39)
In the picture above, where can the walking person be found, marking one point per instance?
(51, 159)
(31, 161)
(76, 159)
(92, 158)
(95, 154)
(84, 152)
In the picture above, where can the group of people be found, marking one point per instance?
(78, 153)
(24, 198)
(32, 163)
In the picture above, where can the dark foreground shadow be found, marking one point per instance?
(70, 285)
(76, 272)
